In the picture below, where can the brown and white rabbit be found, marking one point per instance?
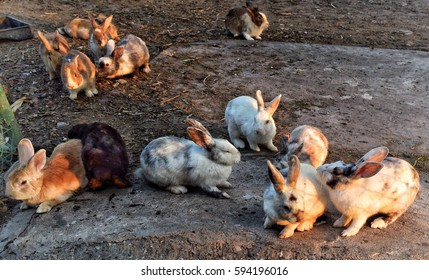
(375, 184)
(52, 48)
(78, 73)
(248, 117)
(307, 142)
(43, 181)
(128, 56)
(100, 42)
(103, 153)
(246, 21)
(80, 28)
(174, 163)
(296, 201)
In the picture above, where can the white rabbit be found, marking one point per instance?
(246, 21)
(127, 57)
(174, 163)
(246, 116)
(307, 142)
(373, 185)
(295, 202)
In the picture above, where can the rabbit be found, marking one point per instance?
(248, 117)
(78, 73)
(46, 182)
(295, 200)
(103, 153)
(246, 21)
(173, 163)
(307, 142)
(375, 184)
(80, 28)
(128, 56)
(100, 42)
(52, 49)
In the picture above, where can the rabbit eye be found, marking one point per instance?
(75, 75)
(286, 208)
(267, 122)
(23, 182)
(337, 171)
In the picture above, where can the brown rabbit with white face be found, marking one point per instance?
(375, 184)
(78, 73)
(46, 182)
(246, 21)
(52, 48)
(80, 28)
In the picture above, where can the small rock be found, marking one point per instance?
(61, 124)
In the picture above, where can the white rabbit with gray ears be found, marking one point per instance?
(375, 184)
(247, 117)
(295, 198)
(174, 163)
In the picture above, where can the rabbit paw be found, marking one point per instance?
(248, 37)
(286, 232)
(379, 223)
(238, 143)
(89, 93)
(254, 147)
(24, 206)
(343, 221)
(73, 95)
(271, 147)
(258, 38)
(350, 231)
(307, 225)
(178, 189)
(43, 208)
(225, 185)
(268, 223)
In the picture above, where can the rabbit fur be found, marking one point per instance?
(247, 117)
(43, 181)
(375, 184)
(174, 163)
(294, 200)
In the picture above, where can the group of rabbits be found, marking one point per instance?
(112, 59)
(302, 184)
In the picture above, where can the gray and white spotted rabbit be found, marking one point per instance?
(174, 163)
(375, 184)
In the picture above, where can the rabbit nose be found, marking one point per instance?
(260, 131)
(101, 64)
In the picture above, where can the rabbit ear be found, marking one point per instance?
(294, 169)
(201, 138)
(194, 123)
(93, 22)
(284, 143)
(44, 41)
(38, 161)
(106, 23)
(366, 170)
(63, 45)
(117, 53)
(298, 149)
(260, 100)
(25, 151)
(374, 155)
(273, 105)
(276, 177)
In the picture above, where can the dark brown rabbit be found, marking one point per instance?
(103, 153)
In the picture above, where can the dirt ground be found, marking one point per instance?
(148, 106)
